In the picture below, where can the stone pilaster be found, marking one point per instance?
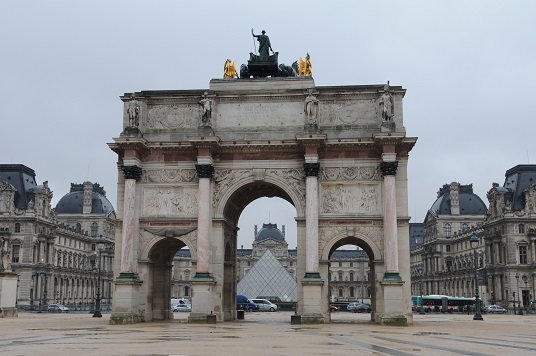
(204, 173)
(128, 264)
(388, 170)
(311, 219)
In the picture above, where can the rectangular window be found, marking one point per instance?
(448, 248)
(521, 228)
(15, 252)
(523, 255)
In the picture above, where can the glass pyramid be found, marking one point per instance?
(268, 277)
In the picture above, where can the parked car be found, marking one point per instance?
(363, 308)
(495, 309)
(333, 308)
(353, 307)
(175, 301)
(57, 308)
(265, 305)
(244, 303)
(181, 308)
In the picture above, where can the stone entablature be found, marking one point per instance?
(276, 112)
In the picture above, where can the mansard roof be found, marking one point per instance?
(22, 178)
(470, 203)
(73, 202)
(269, 231)
(517, 180)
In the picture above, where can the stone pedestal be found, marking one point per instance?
(393, 305)
(8, 295)
(202, 292)
(126, 308)
(312, 301)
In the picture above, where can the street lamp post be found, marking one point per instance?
(100, 246)
(474, 244)
(421, 308)
(526, 280)
(519, 309)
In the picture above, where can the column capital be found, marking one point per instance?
(132, 172)
(204, 170)
(389, 168)
(311, 169)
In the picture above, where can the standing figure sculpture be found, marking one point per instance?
(311, 108)
(264, 45)
(229, 69)
(387, 104)
(206, 106)
(133, 110)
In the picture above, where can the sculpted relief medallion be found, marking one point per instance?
(172, 116)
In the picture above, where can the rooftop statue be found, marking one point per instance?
(306, 68)
(263, 64)
(264, 45)
(229, 69)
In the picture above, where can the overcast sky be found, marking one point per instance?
(468, 67)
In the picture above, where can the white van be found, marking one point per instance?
(265, 305)
(182, 301)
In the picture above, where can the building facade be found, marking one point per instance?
(53, 250)
(349, 269)
(444, 262)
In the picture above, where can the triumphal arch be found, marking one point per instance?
(190, 161)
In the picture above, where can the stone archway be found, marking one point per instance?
(182, 168)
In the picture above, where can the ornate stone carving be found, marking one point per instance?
(132, 172)
(350, 173)
(389, 168)
(311, 108)
(311, 169)
(345, 112)
(204, 170)
(165, 201)
(182, 116)
(387, 106)
(350, 199)
(530, 198)
(170, 176)
(225, 178)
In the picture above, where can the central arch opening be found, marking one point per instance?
(265, 259)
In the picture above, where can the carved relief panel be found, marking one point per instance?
(349, 112)
(169, 201)
(346, 199)
(183, 116)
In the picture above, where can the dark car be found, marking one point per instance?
(333, 308)
(363, 308)
(244, 303)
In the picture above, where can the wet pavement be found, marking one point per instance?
(268, 334)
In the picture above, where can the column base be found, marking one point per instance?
(127, 277)
(9, 312)
(125, 318)
(202, 277)
(312, 318)
(312, 275)
(394, 320)
(392, 276)
(202, 318)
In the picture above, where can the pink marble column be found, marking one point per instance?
(204, 172)
(128, 263)
(390, 235)
(311, 219)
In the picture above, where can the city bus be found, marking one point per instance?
(441, 303)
